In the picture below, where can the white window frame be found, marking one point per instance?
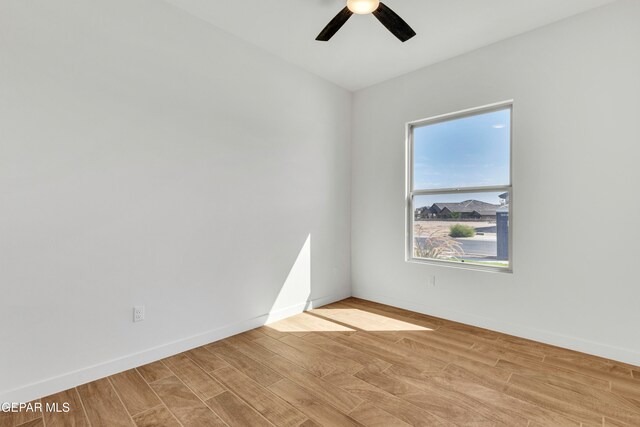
(412, 192)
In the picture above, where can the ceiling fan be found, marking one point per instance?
(386, 16)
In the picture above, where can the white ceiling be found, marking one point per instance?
(364, 52)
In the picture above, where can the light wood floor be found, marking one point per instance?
(359, 363)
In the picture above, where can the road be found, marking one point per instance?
(479, 247)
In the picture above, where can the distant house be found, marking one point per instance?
(469, 209)
(423, 213)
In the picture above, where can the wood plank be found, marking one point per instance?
(598, 402)
(522, 345)
(184, 404)
(628, 389)
(502, 352)
(134, 392)
(206, 360)
(551, 374)
(156, 417)
(443, 405)
(195, 378)
(366, 360)
(252, 334)
(75, 416)
(495, 347)
(340, 363)
(427, 322)
(460, 329)
(154, 371)
(289, 326)
(257, 371)
(250, 348)
(390, 352)
(270, 332)
(345, 316)
(500, 402)
(607, 422)
(371, 416)
(312, 323)
(479, 373)
(387, 310)
(306, 402)
(235, 412)
(588, 365)
(102, 404)
(395, 406)
(436, 339)
(274, 409)
(322, 389)
(465, 333)
(39, 422)
(396, 310)
(549, 397)
(445, 354)
(314, 364)
(620, 370)
(484, 378)
(440, 385)
(361, 320)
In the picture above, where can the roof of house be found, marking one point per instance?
(468, 206)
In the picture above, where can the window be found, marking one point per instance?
(459, 195)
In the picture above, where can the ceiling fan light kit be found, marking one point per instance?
(382, 12)
(362, 7)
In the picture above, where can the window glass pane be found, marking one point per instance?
(468, 228)
(466, 152)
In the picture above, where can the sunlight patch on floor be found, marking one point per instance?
(343, 320)
(308, 323)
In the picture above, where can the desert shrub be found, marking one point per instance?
(461, 230)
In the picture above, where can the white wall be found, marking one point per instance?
(576, 86)
(147, 158)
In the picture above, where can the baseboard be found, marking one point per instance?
(91, 373)
(572, 343)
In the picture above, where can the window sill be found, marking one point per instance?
(461, 265)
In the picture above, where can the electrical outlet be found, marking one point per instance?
(138, 313)
(432, 281)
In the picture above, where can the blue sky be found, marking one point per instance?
(468, 152)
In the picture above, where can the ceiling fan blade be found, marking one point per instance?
(336, 23)
(394, 23)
